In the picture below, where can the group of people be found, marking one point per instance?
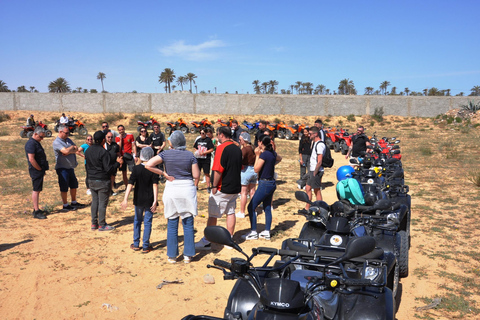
(238, 167)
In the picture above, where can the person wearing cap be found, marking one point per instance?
(203, 152)
(63, 119)
(180, 195)
(31, 121)
(99, 170)
(144, 199)
(248, 176)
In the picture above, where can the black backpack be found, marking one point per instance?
(327, 160)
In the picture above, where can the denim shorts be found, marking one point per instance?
(67, 179)
(248, 176)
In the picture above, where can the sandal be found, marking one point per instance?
(132, 246)
(147, 250)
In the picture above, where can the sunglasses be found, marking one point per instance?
(66, 132)
(143, 131)
(104, 126)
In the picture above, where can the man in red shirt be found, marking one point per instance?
(128, 149)
(227, 167)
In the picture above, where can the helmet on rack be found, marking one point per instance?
(344, 172)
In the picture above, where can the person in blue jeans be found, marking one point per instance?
(180, 194)
(265, 160)
(145, 200)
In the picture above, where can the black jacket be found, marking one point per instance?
(98, 164)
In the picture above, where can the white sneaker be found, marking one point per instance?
(299, 186)
(203, 245)
(240, 215)
(228, 247)
(264, 235)
(252, 235)
(204, 180)
(89, 192)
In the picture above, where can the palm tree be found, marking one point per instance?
(264, 86)
(173, 87)
(298, 87)
(273, 86)
(3, 87)
(79, 89)
(22, 89)
(191, 77)
(383, 86)
(475, 91)
(407, 91)
(181, 80)
(368, 90)
(425, 92)
(320, 89)
(434, 92)
(167, 76)
(256, 86)
(393, 92)
(59, 85)
(346, 86)
(32, 89)
(308, 86)
(101, 76)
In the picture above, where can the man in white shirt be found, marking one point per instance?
(63, 119)
(315, 170)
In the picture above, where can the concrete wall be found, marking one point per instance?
(183, 102)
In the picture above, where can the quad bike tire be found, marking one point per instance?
(55, 128)
(336, 147)
(288, 135)
(280, 134)
(29, 134)
(23, 134)
(344, 148)
(255, 131)
(403, 253)
(48, 133)
(328, 142)
(82, 131)
(193, 130)
(168, 130)
(184, 129)
(393, 280)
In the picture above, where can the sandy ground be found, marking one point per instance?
(59, 269)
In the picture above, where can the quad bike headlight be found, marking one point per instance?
(371, 273)
(393, 217)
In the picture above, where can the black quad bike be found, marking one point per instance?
(305, 285)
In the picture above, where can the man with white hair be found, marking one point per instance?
(37, 165)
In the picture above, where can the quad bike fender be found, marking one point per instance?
(242, 300)
(312, 230)
(366, 307)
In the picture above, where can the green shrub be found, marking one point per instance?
(378, 114)
(471, 106)
(372, 123)
(450, 120)
(425, 151)
(474, 177)
(277, 120)
(351, 118)
(112, 118)
(458, 120)
(4, 116)
(340, 122)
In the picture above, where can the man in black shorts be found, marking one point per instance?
(315, 170)
(204, 148)
(37, 165)
(359, 143)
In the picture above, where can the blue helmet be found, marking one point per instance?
(344, 172)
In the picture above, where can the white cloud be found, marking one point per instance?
(199, 52)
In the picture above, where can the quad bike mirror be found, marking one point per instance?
(220, 235)
(356, 247)
(397, 151)
(302, 196)
(393, 138)
(397, 141)
(395, 147)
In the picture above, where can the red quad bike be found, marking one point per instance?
(199, 125)
(27, 132)
(147, 124)
(294, 132)
(343, 143)
(177, 125)
(74, 125)
(331, 138)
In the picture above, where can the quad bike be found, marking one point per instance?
(272, 127)
(334, 227)
(252, 128)
(225, 123)
(281, 130)
(27, 131)
(294, 132)
(147, 124)
(330, 137)
(344, 140)
(306, 284)
(177, 125)
(74, 125)
(199, 125)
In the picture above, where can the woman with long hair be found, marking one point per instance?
(248, 176)
(265, 160)
(304, 151)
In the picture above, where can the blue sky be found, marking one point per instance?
(228, 44)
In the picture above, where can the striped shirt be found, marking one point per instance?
(178, 163)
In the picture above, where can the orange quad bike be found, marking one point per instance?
(74, 125)
(294, 132)
(180, 124)
(27, 131)
(225, 123)
(281, 130)
(199, 125)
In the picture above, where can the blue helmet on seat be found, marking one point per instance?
(344, 172)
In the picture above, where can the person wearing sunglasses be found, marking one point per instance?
(106, 129)
(65, 163)
(359, 143)
(203, 152)
(141, 142)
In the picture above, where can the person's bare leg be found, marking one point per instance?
(125, 179)
(35, 200)
(211, 221)
(231, 219)
(73, 194)
(243, 198)
(64, 197)
(318, 193)
(308, 190)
